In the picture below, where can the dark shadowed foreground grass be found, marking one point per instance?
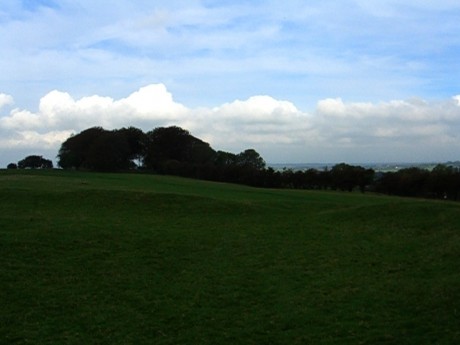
(141, 259)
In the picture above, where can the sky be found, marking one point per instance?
(300, 81)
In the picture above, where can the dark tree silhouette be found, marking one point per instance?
(98, 149)
(109, 152)
(347, 177)
(250, 158)
(175, 144)
(137, 143)
(74, 151)
(35, 162)
(225, 159)
(444, 182)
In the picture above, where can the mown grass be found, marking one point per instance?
(139, 259)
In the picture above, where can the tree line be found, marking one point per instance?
(164, 150)
(442, 182)
(32, 162)
(174, 151)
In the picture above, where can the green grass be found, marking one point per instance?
(90, 258)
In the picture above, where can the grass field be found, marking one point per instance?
(90, 258)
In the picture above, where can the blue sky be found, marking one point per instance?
(300, 81)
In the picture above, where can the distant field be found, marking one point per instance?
(89, 258)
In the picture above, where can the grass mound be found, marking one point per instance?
(141, 259)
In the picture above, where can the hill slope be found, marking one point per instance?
(123, 259)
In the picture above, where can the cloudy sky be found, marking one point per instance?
(298, 80)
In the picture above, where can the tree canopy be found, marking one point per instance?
(167, 144)
(34, 162)
(167, 150)
(251, 159)
(102, 150)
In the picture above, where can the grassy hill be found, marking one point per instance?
(90, 258)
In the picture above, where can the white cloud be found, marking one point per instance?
(331, 107)
(457, 99)
(27, 139)
(261, 109)
(401, 129)
(59, 110)
(21, 119)
(336, 130)
(5, 100)
(257, 121)
(152, 100)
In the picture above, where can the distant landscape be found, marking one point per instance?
(376, 166)
(175, 151)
